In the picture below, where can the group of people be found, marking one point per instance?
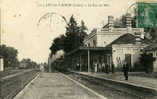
(110, 68)
(103, 67)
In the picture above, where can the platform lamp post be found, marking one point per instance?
(88, 59)
(1, 58)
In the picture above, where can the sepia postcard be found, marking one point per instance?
(78, 49)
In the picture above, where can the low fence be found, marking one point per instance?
(12, 84)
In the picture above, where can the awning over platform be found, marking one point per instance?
(89, 49)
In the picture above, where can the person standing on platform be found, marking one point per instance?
(125, 70)
(99, 66)
(96, 67)
(107, 68)
(103, 67)
(112, 68)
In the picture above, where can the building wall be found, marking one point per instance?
(119, 51)
(1, 64)
(155, 65)
(103, 37)
(90, 40)
(23, 65)
(155, 61)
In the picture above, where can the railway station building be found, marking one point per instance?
(108, 48)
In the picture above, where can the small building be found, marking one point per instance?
(127, 48)
(23, 65)
(152, 49)
(110, 46)
(1, 64)
(42, 68)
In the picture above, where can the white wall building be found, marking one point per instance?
(126, 43)
(104, 36)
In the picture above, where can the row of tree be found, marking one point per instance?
(72, 39)
(28, 63)
(10, 54)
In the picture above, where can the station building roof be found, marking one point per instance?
(128, 39)
(83, 48)
(151, 47)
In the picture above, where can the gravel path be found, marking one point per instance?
(55, 86)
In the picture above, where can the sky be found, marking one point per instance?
(20, 18)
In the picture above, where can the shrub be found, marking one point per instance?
(147, 62)
(138, 67)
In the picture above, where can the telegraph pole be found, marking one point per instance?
(1, 58)
(0, 27)
(49, 64)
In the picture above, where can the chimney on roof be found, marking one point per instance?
(110, 23)
(142, 35)
(138, 40)
(128, 22)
